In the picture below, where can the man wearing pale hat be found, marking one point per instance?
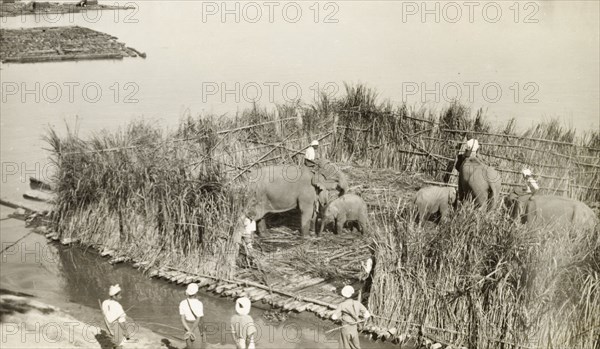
(349, 313)
(192, 313)
(469, 148)
(532, 186)
(242, 325)
(115, 317)
(310, 154)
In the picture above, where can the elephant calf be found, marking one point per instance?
(346, 208)
(430, 200)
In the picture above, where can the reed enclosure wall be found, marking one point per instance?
(419, 141)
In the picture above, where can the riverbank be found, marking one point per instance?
(28, 322)
(33, 314)
(47, 44)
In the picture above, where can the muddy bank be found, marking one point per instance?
(27, 322)
(47, 44)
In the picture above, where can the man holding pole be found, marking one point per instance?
(349, 313)
(115, 317)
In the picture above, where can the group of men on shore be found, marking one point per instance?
(350, 313)
(191, 311)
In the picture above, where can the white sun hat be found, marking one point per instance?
(242, 306)
(526, 172)
(473, 144)
(313, 143)
(191, 289)
(347, 291)
(114, 289)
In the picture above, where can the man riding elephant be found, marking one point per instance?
(476, 180)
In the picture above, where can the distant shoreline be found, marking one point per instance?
(22, 8)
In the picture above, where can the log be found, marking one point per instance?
(204, 282)
(16, 204)
(38, 184)
(39, 196)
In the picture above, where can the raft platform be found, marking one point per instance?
(51, 44)
(12, 8)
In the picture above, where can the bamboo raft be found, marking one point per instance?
(33, 45)
(289, 292)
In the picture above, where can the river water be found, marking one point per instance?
(528, 60)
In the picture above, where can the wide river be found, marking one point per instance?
(527, 60)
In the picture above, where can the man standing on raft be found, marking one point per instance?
(349, 313)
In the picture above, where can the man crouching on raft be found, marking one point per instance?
(349, 312)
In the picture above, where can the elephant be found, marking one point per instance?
(535, 210)
(280, 188)
(346, 208)
(478, 181)
(430, 200)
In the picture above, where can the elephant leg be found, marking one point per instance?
(482, 199)
(306, 217)
(339, 225)
(362, 226)
(261, 227)
(324, 223)
(444, 212)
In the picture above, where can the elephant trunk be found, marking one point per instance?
(323, 223)
(343, 184)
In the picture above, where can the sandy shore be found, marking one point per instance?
(27, 322)
(40, 319)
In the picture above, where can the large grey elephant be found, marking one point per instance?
(549, 209)
(477, 181)
(346, 208)
(281, 188)
(431, 200)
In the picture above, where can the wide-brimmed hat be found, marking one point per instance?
(314, 143)
(114, 289)
(191, 289)
(242, 306)
(347, 291)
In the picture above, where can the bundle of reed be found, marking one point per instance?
(132, 191)
(480, 281)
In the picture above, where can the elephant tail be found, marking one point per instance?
(494, 193)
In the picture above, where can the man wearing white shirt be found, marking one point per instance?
(192, 313)
(115, 316)
(532, 186)
(249, 229)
